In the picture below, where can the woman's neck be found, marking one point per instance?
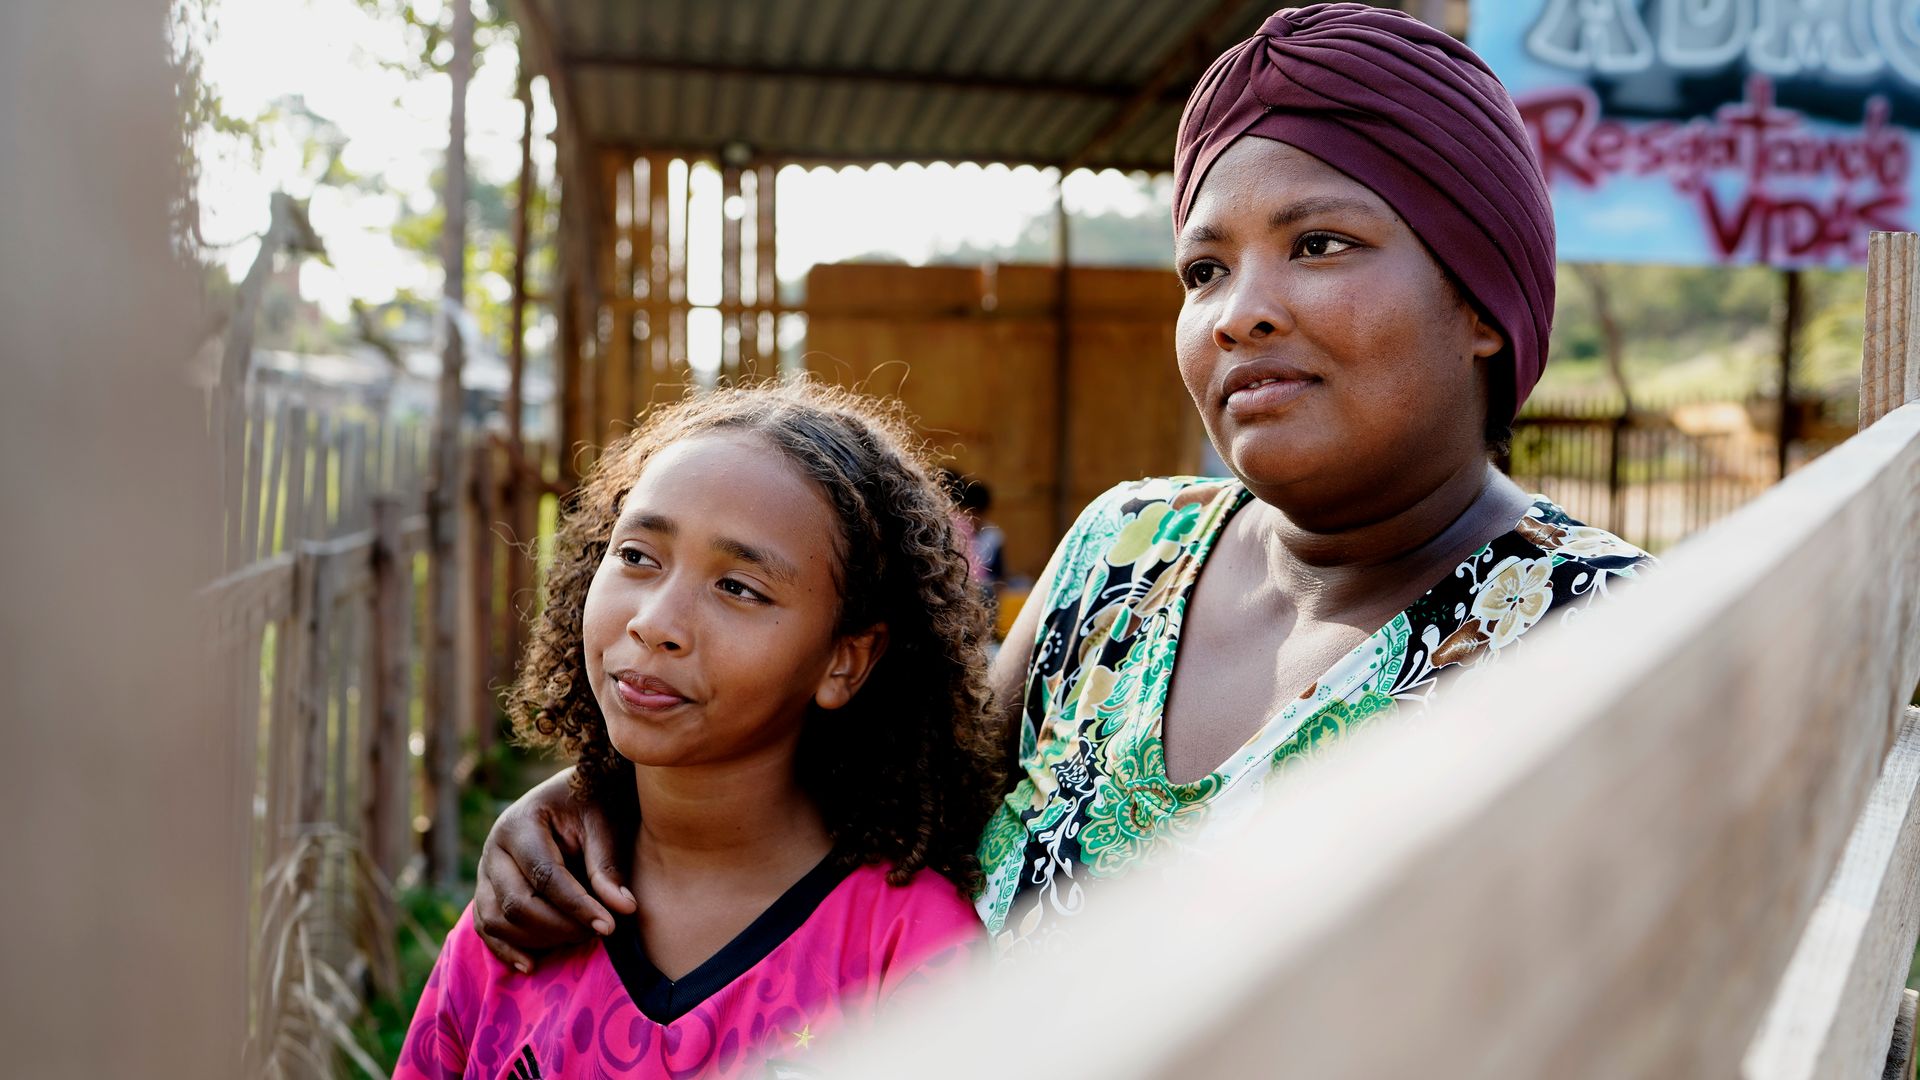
(748, 816)
(1327, 573)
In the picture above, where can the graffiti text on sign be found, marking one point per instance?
(1782, 38)
(1801, 194)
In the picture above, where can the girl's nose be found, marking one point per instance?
(659, 622)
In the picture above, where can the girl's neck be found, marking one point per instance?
(746, 816)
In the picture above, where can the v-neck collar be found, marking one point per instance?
(665, 1000)
(1215, 515)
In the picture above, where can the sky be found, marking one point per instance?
(330, 52)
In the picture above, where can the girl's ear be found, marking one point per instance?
(854, 658)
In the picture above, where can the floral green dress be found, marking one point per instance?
(1093, 795)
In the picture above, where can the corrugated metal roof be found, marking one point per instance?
(1090, 82)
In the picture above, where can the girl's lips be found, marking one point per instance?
(1265, 397)
(647, 695)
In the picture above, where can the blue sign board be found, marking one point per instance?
(1778, 132)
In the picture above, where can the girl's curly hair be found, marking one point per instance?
(906, 773)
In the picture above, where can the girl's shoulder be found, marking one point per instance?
(927, 899)
(916, 931)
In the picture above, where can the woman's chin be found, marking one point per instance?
(1266, 457)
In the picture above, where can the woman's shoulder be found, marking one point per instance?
(1177, 492)
(1558, 535)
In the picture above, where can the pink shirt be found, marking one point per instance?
(828, 955)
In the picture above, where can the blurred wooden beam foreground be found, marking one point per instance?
(1596, 861)
(120, 921)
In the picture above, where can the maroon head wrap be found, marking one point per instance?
(1415, 116)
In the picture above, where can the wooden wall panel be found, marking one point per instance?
(974, 354)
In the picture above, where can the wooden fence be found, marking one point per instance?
(321, 622)
(1676, 837)
(1662, 472)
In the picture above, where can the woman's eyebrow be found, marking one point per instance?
(774, 565)
(1202, 234)
(1306, 208)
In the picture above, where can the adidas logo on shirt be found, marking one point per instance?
(526, 1068)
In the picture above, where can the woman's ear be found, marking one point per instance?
(1487, 339)
(854, 658)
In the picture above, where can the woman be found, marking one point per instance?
(1366, 248)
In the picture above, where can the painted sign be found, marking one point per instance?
(1716, 131)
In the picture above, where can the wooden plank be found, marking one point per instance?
(250, 493)
(1890, 370)
(1834, 1011)
(310, 701)
(1592, 862)
(484, 508)
(384, 815)
(1900, 1056)
(269, 540)
(263, 589)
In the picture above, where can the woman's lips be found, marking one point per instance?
(647, 694)
(1267, 395)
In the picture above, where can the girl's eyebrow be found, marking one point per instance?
(739, 550)
(774, 565)
(643, 521)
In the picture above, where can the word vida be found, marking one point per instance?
(1767, 186)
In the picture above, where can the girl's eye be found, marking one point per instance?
(740, 589)
(1317, 245)
(633, 556)
(1201, 273)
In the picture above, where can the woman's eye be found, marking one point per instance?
(740, 589)
(635, 557)
(1316, 245)
(1202, 273)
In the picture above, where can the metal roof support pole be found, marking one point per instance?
(731, 324)
(1063, 509)
(445, 490)
(766, 289)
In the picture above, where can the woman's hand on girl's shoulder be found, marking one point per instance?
(527, 899)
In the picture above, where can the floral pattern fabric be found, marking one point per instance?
(1093, 796)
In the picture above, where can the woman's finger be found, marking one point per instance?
(536, 851)
(605, 848)
(483, 899)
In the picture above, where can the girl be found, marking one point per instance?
(763, 652)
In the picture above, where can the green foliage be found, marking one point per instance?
(425, 29)
(426, 917)
(427, 914)
(1694, 332)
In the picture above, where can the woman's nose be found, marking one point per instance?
(1255, 309)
